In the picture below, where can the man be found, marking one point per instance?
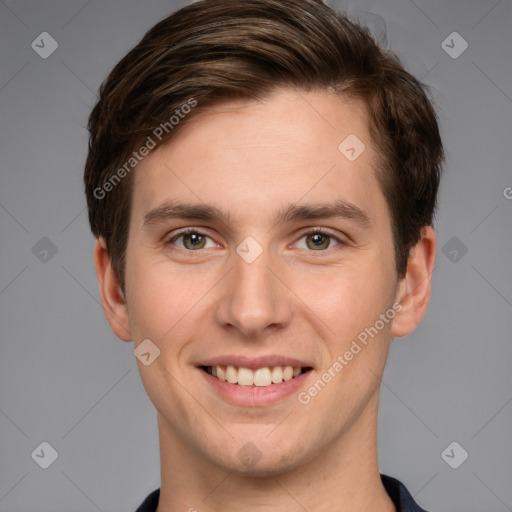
(261, 181)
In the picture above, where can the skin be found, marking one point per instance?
(252, 160)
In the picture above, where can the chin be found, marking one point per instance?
(263, 468)
(263, 459)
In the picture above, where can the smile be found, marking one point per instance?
(261, 377)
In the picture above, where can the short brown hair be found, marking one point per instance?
(215, 50)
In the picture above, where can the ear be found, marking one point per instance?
(112, 297)
(413, 291)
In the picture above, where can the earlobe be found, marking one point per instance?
(414, 289)
(112, 298)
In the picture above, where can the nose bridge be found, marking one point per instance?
(253, 298)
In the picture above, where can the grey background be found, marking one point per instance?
(65, 378)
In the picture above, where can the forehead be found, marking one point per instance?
(249, 156)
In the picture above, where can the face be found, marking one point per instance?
(259, 251)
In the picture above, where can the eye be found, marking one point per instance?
(192, 240)
(318, 240)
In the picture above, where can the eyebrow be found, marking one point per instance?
(201, 211)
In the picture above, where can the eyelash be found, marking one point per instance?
(188, 231)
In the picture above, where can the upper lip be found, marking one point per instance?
(255, 362)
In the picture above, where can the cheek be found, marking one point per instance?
(357, 350)
(157, 298)
(347, 299)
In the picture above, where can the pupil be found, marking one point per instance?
(195, 238)
(317, 239)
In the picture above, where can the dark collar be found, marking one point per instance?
(397, 491)
(400, 496)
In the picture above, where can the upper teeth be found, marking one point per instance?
(259, 377)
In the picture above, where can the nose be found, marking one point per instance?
(253, 301)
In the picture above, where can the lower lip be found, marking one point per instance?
(254, 396)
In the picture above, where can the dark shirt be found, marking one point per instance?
(397, 492)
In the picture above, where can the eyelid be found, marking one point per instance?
(319, 229)
(170, 239)
(324, 231)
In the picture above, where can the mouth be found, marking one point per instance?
(266, 376)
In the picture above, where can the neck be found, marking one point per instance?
(342, 476)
